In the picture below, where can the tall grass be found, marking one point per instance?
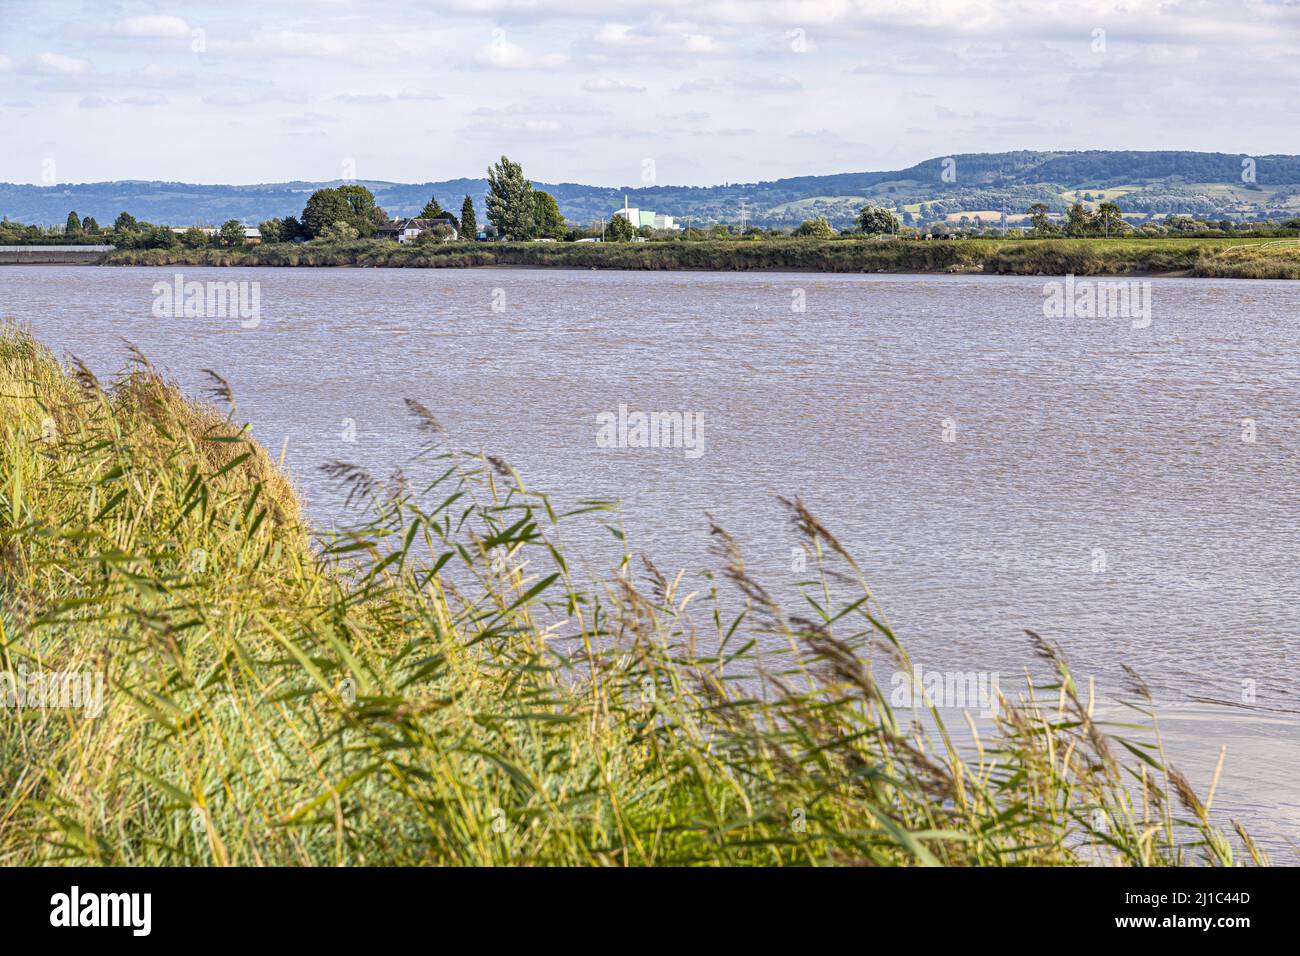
(440, 685)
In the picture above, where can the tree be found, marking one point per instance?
(1038, 218)
(231, 233)
(817, 228)
(73, 226)
(194, 238)
(125, 222)
(468, 223)
(271, 230)
(510, 200)
(438, 233)
(323, 209)
(162, 237)
(1078, 221)
(875, 220)
(341, 231)
(619, 230)
(548, 221)
(1109, 220)
(291, 229)
(431, 209)
(89, 226)
(366, 215)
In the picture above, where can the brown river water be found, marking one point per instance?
(1128, 488)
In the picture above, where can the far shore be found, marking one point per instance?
(1162, 258)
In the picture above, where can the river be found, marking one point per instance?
(1127, 487)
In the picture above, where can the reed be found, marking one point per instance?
(439, 684)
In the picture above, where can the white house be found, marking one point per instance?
(408, 230)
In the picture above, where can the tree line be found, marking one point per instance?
(517, 211)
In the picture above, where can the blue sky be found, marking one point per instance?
(613, 93)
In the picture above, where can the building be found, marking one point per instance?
(630, 213)
(645, 218)
(408, 230)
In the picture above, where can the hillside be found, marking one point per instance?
(1208, 185)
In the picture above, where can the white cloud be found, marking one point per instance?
(292, 43)
(56, 64)
(603, 84)
(702, 85)
(247, 98)
(502, 54)
(370, 99)
(657, 37)
(525, 128)
(144, 99)
(153, 26)
(775, 82)
(754, 83)
(342, 45)
(95, 102)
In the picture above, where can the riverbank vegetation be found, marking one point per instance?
(1196, 257)
(443, 684)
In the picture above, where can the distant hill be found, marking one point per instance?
(1208, 185)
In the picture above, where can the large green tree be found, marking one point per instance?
(619, 230)
(366, 215)
(73, 225)
(510, 201)
(874, 220)
(1039, 219)
(1109, 220)
(324, 208)
(194, 238)
(231, 233)
(817, 228)
(431, 209)
(548, 221)
(468, 221)
(1078, 221)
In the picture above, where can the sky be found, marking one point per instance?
(691, 92)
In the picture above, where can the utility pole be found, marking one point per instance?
(743, 211)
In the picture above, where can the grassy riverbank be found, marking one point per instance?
(1199, 257)
(440, 685)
